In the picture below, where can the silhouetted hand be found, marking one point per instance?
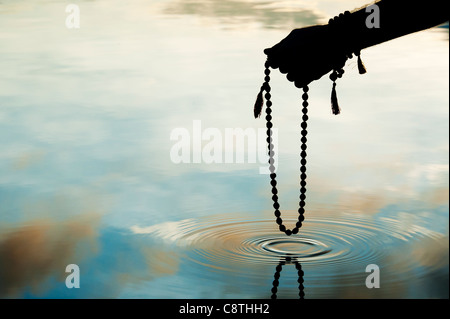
(307, 54)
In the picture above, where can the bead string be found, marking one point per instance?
(277, 275)
(339, 25)
(273, 182)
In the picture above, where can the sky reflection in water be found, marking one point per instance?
(86, 175)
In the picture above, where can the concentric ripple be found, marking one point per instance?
(240, 253)
(228, 242)
(249, 242)
(296, 247)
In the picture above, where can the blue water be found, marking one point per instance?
(86, 175)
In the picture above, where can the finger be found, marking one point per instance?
(301, 84)
(272, 63)
(291, 76)
(267, 51)
(296, 73)
(272, 57)
(284, 69)
(303, 76)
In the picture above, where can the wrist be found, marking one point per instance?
(346, 34)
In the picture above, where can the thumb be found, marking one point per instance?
(268, 51)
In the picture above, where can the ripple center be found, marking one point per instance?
(300, 247)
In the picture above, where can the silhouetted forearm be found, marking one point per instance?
(307, 54)
(397, 18)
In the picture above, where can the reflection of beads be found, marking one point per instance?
(277, 276)
(300, 280)
(271, 153)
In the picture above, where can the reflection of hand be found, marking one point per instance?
(306, 54)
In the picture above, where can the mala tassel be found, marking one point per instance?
(334, 102)
(257, 109)
(361, 67)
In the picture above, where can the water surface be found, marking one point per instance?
(86, 175)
